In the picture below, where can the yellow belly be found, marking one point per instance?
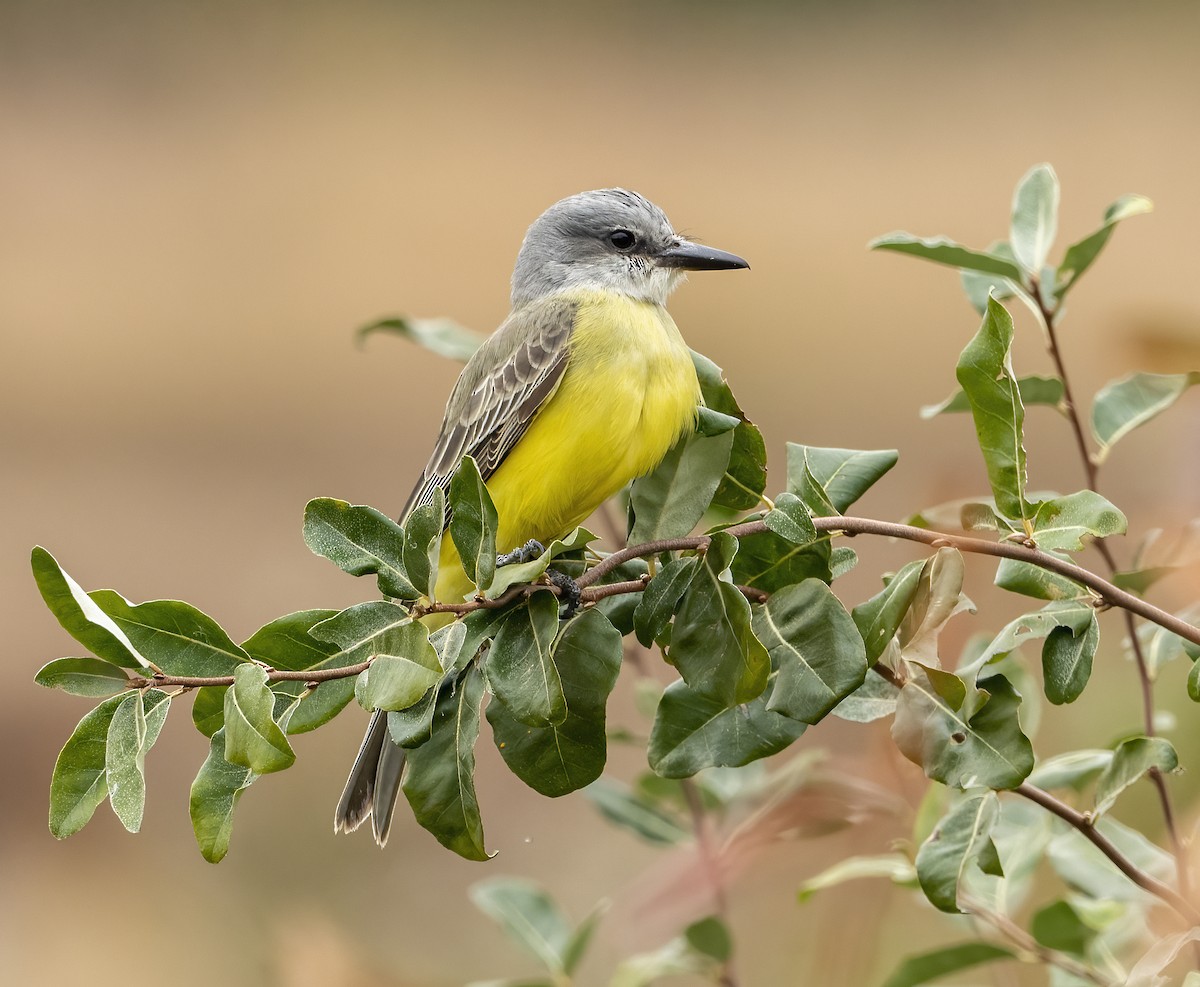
(628, 393)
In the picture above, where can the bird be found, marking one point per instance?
(584, 387)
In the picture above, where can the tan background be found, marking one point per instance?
(198, 204)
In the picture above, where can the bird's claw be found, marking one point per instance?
(526, 553)
(568, 591)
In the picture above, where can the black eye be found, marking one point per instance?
(622, 239)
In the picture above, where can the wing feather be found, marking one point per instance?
(499, 394)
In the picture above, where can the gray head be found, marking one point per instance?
(612, 240)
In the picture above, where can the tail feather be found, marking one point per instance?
(373, 784)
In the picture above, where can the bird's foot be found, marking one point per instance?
(568, 591)
(526, 553)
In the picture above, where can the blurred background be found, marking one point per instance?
(201, 201)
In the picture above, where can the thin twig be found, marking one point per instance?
(712, 865)
(1049, 318)
(1027, 944)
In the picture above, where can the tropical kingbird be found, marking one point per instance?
(584, 387)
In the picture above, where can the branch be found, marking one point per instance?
(1048, 315)
(1027, 944)
(1107, 593)
(1086, 825)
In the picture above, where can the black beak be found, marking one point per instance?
(688, 256)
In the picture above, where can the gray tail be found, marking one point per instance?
(373, 784)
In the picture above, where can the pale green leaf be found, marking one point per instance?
(955, 844)
(1123, 405)
(89, 677)
(941, 250)
(1131, 760)
(253, 739)
(1034, 218)
(442, 336)
(1082, 254)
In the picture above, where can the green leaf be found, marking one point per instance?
(660, 597)
(1074, 769)
(286, 643)
(528, 916)
(215, 794)
(578, 943)
(398, 681)
(879, 617)
(1072, 614)
(1042, 584)
(1034, 217)
(79, 783)
(1122, 405)
(520, 668)
(132, 731)
(692, 731)
(745, 477)
(924, 967)
(962, 740)
(631, 810)
(405, 667)
(177, 637)
(790, 519)
(252, 737)
(561, 758)
(711, 937)
(769, 562)
(439, 780)
(709, 422)
(894, 866)
(1067, 660)
(1033, 390)
(473, 524)
(444, 337)
(1131, 760)
(361, 541)
(79, 615)
(830, 480)
(712, 644)
(423, 543)
(1062, 522)
(1081, 255)
(670, 501)
(1059, 926)
(208, 709)
(1159, 555)
(90, 677)
(956, 843)
(985, 373)
(815, 647)
(940, 250)
(873, 700)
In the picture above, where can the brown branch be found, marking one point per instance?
(1087, 826)
(1049, 316)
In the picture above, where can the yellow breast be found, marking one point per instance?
(628, 393)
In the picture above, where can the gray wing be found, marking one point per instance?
(498, 393)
